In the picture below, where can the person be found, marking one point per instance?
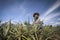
(37, 22)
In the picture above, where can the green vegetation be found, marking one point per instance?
(10, 31)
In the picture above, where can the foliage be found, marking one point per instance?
(10, 31)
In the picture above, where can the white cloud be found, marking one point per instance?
(46, 18)
(58, 19)
(57, 23)
(56, 5)
(51, 16)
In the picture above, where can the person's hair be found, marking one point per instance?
(35, 14)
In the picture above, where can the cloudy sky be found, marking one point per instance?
(21, 10)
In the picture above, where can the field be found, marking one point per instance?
(10, 31)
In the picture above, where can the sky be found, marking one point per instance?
(21, 10)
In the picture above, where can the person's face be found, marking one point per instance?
(36, 16)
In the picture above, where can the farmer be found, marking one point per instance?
(37, 22)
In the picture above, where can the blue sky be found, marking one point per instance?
(20, 10)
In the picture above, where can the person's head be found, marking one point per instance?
(36, 15)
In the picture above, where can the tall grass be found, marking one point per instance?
(10, 31)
